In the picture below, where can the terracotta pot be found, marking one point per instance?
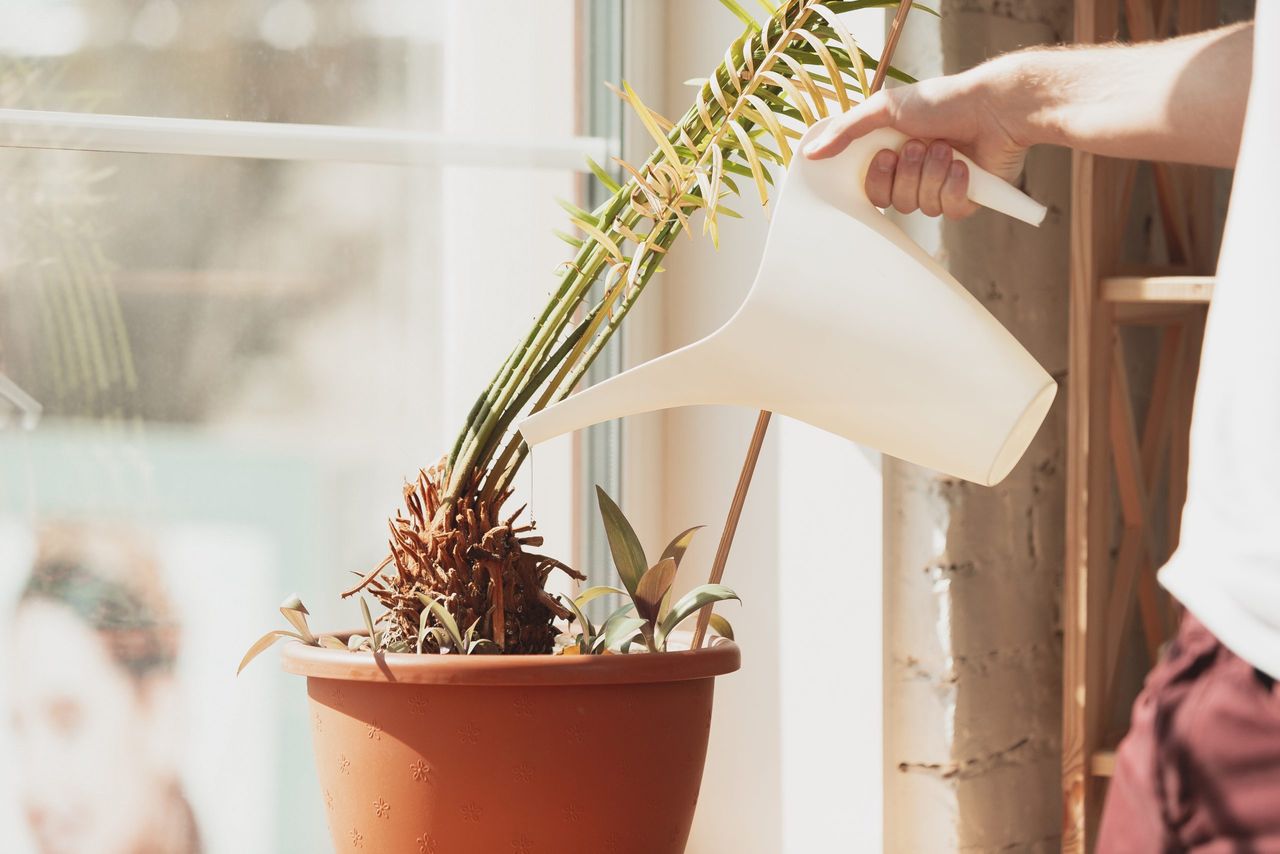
(430, 754)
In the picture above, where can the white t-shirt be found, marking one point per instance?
(1227, 567)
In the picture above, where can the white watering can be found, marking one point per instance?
(852, 327)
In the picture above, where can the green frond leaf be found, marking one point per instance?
(855, 5)
(576, 212)
(895, 73)
(741, 14)
(575, 242)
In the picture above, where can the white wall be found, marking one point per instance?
(480, 285)
(795, 759)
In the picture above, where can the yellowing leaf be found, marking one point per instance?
(721, 626)
(296, 613)
(593, 593)
(600, 237)
(769, 120)
(850, 46)
(264, 643)
(679, 544)
(651, 195)
(653, 586)
(805, 79)
(829, 62)
(650, 123)
(794, 97)
(753, 159)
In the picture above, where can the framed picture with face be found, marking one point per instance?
(132, 577)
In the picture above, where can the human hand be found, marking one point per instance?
(966, 111)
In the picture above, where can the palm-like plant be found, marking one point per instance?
(454, 545)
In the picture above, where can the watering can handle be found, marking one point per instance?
(984, 188)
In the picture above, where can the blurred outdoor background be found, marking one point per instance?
(238, 361)
(221, 353)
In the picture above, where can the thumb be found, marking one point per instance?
(874, 113)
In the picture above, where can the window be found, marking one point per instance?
(256, 258)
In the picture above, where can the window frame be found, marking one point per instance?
(603, 39)
(102, 132)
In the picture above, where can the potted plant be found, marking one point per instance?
(477, 712)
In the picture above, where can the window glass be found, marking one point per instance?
(238, 361)
(323, 61)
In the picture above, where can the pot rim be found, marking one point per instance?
(720, 657)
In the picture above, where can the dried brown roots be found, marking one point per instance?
(473, 562)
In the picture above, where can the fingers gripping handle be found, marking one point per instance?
(984, 188)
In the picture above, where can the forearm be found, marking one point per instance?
(1181, 100)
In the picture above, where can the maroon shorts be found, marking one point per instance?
(1199, 770)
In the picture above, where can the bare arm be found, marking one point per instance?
(1180, 100)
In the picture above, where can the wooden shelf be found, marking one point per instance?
(1158, 289)
(1103, 763)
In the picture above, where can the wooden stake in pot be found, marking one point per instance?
(762, 420)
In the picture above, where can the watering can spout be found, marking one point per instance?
(852, 327)
(659, 384)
